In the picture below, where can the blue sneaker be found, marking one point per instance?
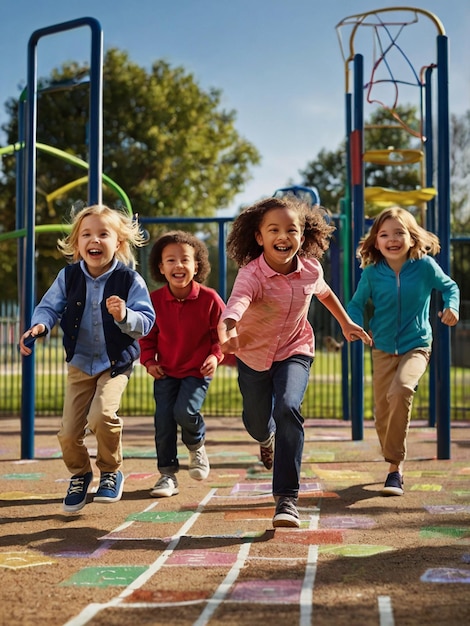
(76, 493)
(393, 485)
(110, 489)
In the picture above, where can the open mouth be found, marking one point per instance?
(94, 252)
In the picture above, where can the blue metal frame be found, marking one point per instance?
(440, 224)
(29, 191)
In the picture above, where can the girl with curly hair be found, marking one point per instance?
(277, 244)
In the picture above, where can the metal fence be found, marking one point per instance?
(325, 394)
(323, 399)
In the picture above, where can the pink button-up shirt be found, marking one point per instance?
(271, 311)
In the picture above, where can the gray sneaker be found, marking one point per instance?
(286, 514)
(198, 464)
(165, 487)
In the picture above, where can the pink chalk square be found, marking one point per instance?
(351, 521)
(167, 596)
(308, 537)
(140, 476)
(267, 592)
(267, 487)
(200, 558)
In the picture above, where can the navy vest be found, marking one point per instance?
(122, 349)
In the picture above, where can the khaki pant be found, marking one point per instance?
(395, 379)
(93, 402)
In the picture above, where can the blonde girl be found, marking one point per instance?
(104, 307)
(399, 275)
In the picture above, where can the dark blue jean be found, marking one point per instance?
(271, 402)
(178, 402)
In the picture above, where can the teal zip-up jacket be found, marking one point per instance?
(399, 319)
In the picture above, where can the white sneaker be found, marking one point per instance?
(198, 464)
(165, 487)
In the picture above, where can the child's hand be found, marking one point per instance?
(39, 330)
(230, 346)
(449, 317)
(156, 371)
(228, 336)
(209, 366)
(353, 332)
(117, 308)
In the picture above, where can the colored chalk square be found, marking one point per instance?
(442, 509)
(165, 596)
(267, 487)
(200, 558)
(250, 514)
(446, 575)
(308, 537)
(425, 487)
(436, 532)
(252, 488)
(22, 495)
(267, 592)
(138, 453)
(48, 453)
(355, 550)
(355, 521)
(320, 456)
(160, 516)
(19, 560)
(140, 477)
(34, 476)
(119, 576)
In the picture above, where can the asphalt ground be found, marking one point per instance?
(210, 555)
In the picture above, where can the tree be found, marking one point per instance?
(166, 142)
(460, 172)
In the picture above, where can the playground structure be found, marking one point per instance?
(386, 27)
(352, 220)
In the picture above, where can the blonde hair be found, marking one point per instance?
(126, 228)
(425, 242)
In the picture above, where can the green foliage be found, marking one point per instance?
(166, 142)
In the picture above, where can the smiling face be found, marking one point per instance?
(97, 244)
(179, 267)
(281, 236)
(394, 242)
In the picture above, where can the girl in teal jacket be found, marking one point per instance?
(395, 290)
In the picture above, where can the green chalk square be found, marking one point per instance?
(160, 516)
(119, 576)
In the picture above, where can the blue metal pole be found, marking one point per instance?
(431, 224)
(222, 262)
(443, 186)
(346, 231)
(357, 348)
(28, 364)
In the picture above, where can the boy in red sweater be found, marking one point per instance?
(181, 352)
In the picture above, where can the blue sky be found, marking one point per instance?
(277, 62)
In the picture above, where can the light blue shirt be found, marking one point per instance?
(90, 353)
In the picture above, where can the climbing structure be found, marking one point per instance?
(381, 78)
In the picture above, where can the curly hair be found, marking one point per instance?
(127, 230)
(425, 242)
(242, 246)
(201, 254)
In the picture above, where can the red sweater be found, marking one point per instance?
(185, 332)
